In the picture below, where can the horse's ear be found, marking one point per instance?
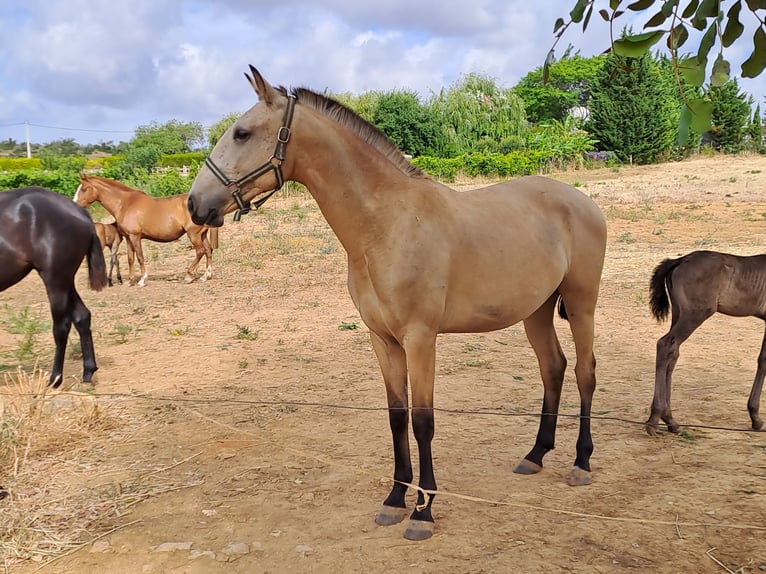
(266, 93)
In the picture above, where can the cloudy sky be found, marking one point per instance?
(103, 67)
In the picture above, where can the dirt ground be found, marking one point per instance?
(250, 409)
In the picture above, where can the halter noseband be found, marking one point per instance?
(274, 164)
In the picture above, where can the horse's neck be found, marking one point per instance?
(351, 181)
(112, 198)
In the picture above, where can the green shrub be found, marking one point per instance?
(181, 159)
(19, 163)
(63, 182)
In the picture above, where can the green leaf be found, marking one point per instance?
(754, 65)
(657, 20)
(733, 28)
(637, 45)
(613, 4)
(604, 15)
(677, 37)
(668, 6)
(756, 4)
(587, 17)
(549, 59)
(720, 73)
(691, 7)
(701, 115)
(692, 70)
(557, 26)
(683, 126)
(640, 5)
(708, 9)
(708, 39)
(578, 11)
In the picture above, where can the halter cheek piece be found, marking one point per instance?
(273, 164)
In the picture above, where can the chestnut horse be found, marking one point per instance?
(43, 230)
(698, 285)
(140, 216)
(109, 236)
(424, 259)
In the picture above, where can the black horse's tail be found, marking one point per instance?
(96, 263)
(562, 309)
(659, 288)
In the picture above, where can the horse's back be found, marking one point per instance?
(41, 225)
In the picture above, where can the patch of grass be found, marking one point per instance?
(179, 331)
(244, 333)
(28, 325)
(704, 241)
(626, 237)
(482, 363)
(121, 332)
(348, 326)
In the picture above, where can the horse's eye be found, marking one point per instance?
(241, 134)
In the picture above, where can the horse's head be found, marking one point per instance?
(248, 160)
(86, 192)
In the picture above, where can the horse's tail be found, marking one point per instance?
(660, 286)
(96, 263)
(213, 236)
(562, 309)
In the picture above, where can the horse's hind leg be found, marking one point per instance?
(81, 319)
(667, 356)
(542, 336)
(753, 403)
(200, 249)
(58, 297)
(208, 256)
(393, 365)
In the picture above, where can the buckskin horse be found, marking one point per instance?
(140, 216)
(424, 259)
(43, 230)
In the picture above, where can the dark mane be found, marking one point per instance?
(367, 132)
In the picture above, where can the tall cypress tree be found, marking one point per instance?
(633, 109)
(731, 112)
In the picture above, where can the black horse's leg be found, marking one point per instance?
(682, 326)
(393, 365)
(81, 320)
(542, 336)
(753, 403)
(58, 297)
(420, 351)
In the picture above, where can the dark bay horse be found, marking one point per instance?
(140, 216)
(424, 259)
(43, 230)
(697, 286)
(109, 236)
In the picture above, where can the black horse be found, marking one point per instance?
(43, 230)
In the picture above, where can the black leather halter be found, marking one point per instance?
(273, 164)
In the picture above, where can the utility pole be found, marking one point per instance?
(29, 148)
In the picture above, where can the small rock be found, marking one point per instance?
(209, 512)
(303, 548)
(276, 533)
(256, 546)
(236, 548)
(173, 546)
(101, 546)
(194, 554)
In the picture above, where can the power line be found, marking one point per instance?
(62, 128)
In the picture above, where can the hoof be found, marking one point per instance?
(673, 427)
(388, 515)
(188, 279)
(651, 429)
(419, 530)
(578, 477)
(527, 467)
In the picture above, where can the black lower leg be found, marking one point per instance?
(398, 418)
(423, 428)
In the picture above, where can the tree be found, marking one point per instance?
(475, 111)
(633, 111)
(216, 131)
(407, 123)
(171, 137)
(755, 130)
(364, 105)
(731, 113)
(705, 19)
(568, 86)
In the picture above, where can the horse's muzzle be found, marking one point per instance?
(211, 218)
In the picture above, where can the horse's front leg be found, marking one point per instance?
(58, 296)
(753, 403)
(200, 250)
(420, 350)
(131, 258)
(137, 245)
(81, 318)
(393, 365)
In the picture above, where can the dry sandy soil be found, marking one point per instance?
(250, 409)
